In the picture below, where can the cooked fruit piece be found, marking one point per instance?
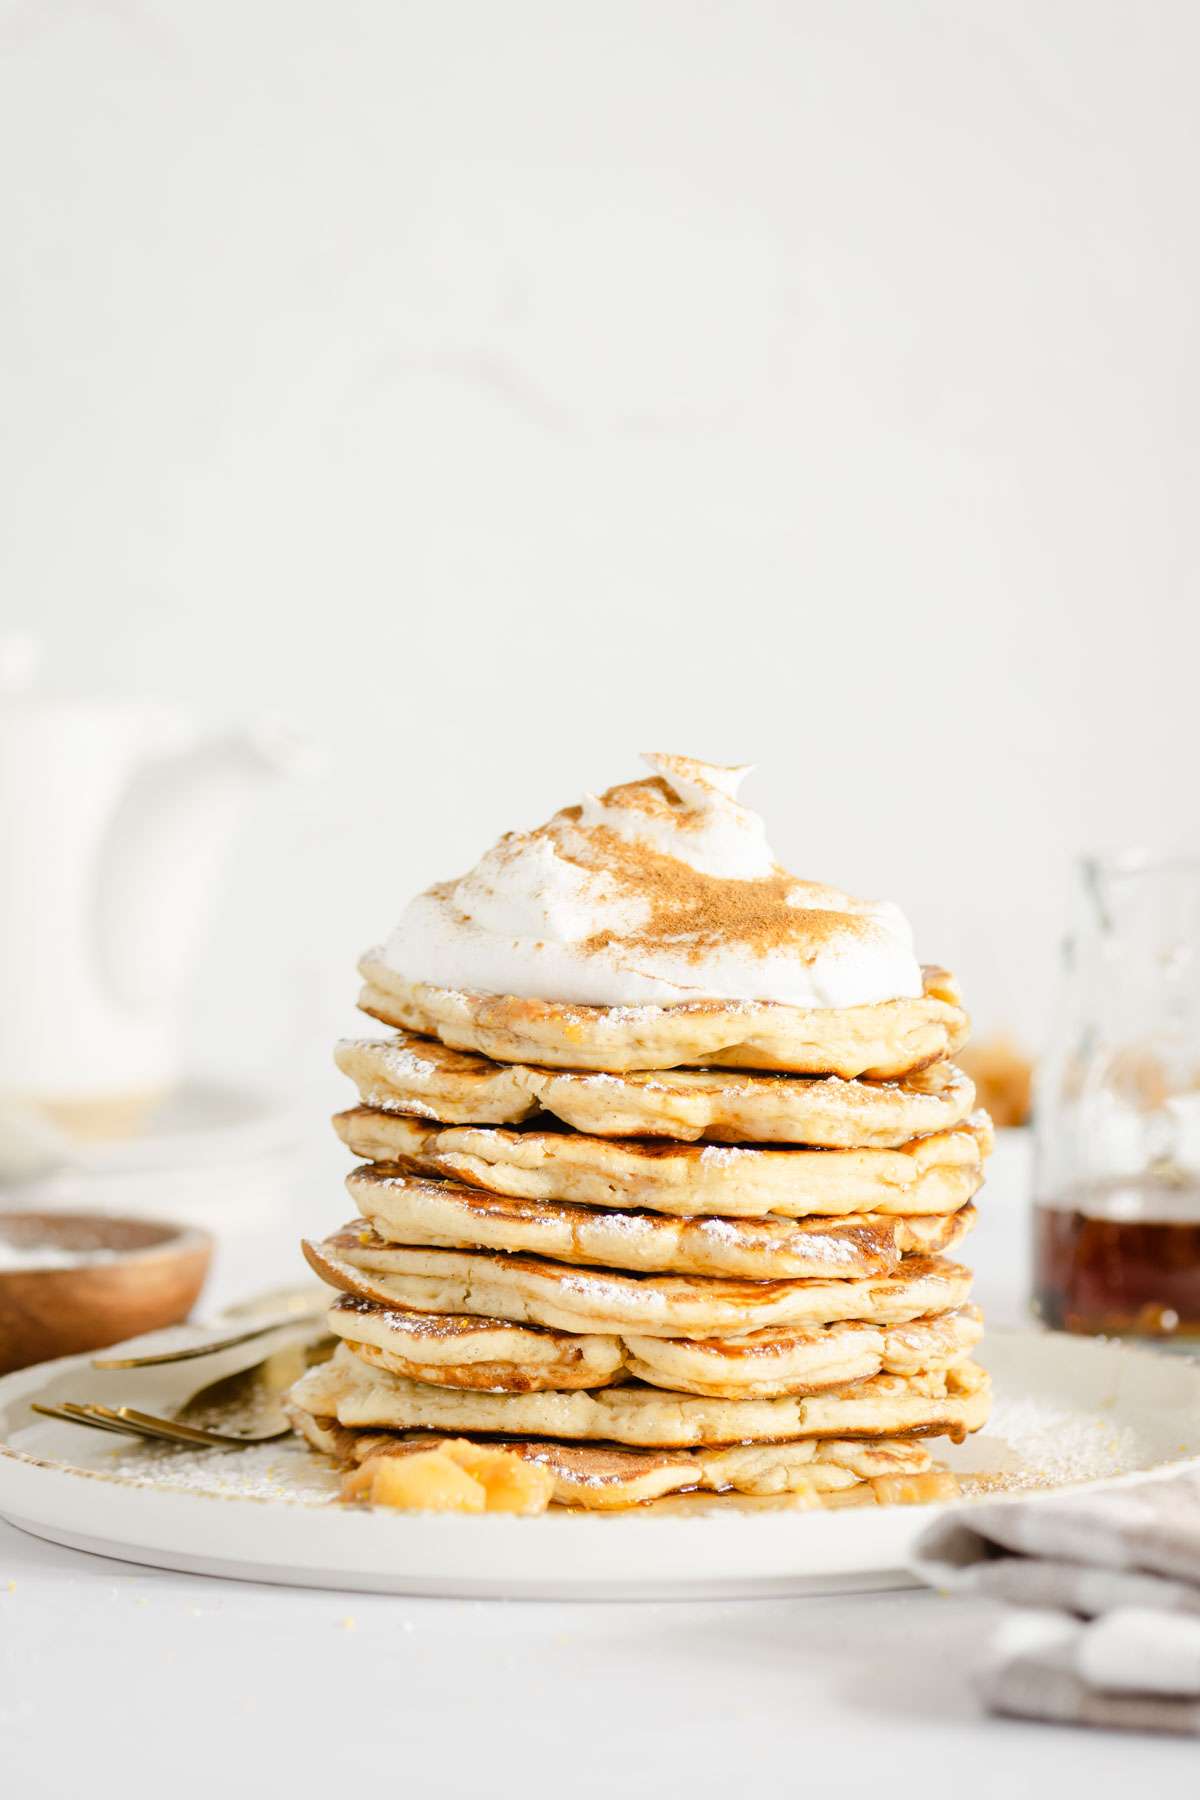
(430, 1481)
(453, 1476)
(916, 1490)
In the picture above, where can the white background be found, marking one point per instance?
(494, 390)
(491, 390)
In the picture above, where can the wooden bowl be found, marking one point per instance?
(151, 1280)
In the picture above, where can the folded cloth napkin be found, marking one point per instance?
(1108, 1591)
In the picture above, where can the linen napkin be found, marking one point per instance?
(1106, 1592)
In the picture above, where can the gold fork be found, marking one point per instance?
(127, 1421)
(255, 1387)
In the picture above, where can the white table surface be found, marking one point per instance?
(131, 1681)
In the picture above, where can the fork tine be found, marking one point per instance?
(75, 1418)
(127, 1421)
(122, 1418)
(114, 1420)
(69, 1413)
(90, 1415)
(175, 1432)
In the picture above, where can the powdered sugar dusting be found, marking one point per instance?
(1032, 1442)
(286, 1470)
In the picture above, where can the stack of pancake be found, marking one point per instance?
(700, 1245)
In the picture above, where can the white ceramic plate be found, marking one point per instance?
(1068, 1411)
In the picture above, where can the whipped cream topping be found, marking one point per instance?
(660, 890)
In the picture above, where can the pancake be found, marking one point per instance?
(463, 1351)
(493, 1355)
(890, 1038)
(425, 1078)
(535, 1291)
(405, 1209)
(934, 1174)
(420, 1076)
(952, 1402)
(603, 1477)
(784, 1360)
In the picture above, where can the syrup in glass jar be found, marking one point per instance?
(1117, 1114)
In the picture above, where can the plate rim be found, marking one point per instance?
(724, 1557)
(12, 1384)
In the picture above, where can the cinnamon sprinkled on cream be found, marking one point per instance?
(661, 889)
(693, 912)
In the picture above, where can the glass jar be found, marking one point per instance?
(1117, 1110)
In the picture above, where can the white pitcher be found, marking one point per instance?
(114, 823)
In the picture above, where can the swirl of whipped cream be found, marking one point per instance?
(661, 890)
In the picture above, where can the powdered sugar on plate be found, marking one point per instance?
(1031, 1442)
(285, 1470)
